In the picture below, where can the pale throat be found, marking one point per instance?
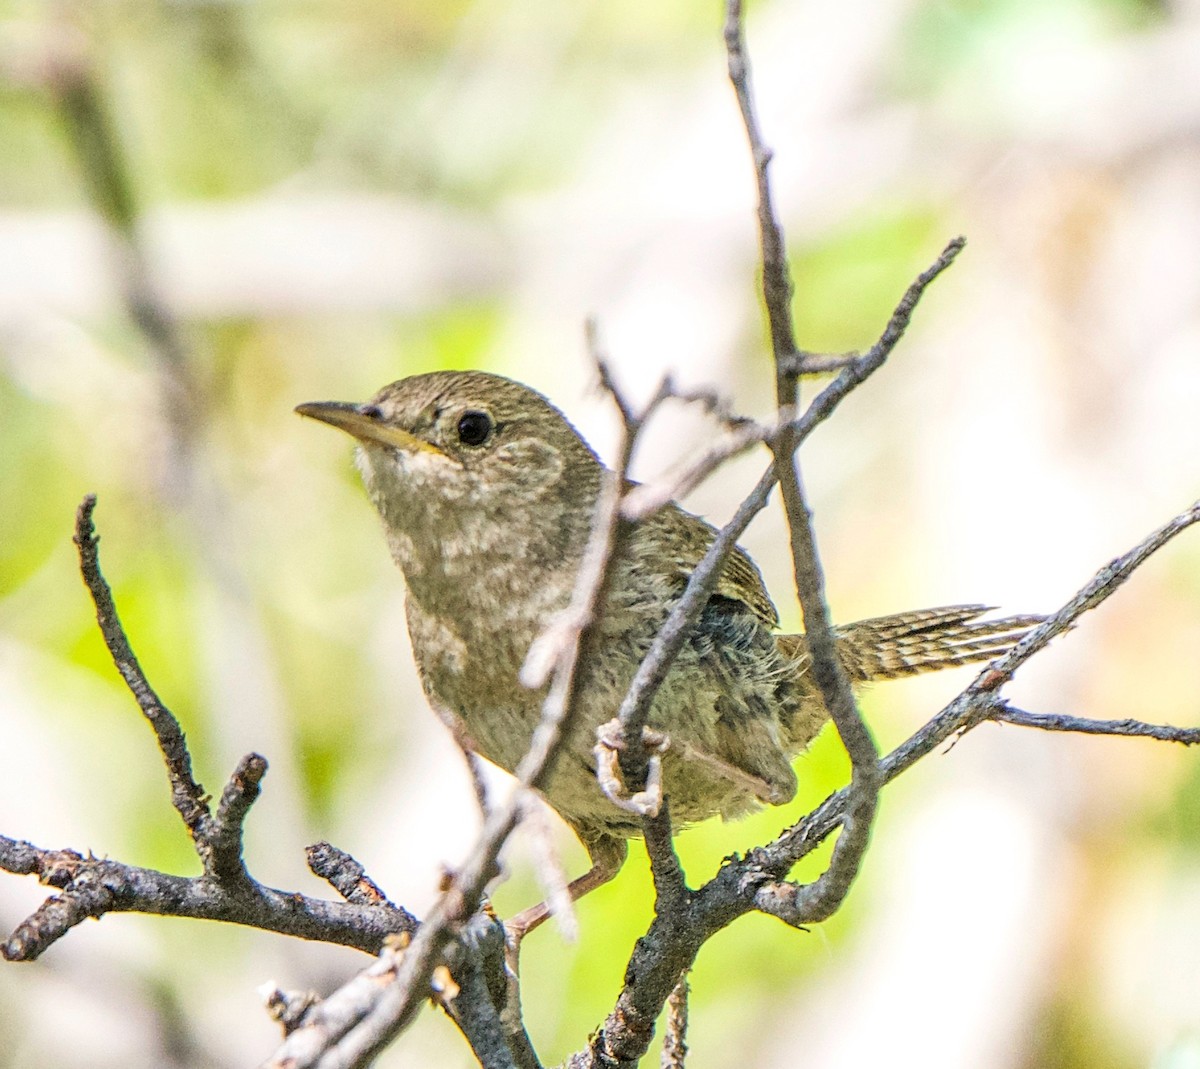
(469, 548)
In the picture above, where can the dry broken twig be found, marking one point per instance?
(456, 956)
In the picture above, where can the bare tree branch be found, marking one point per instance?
(806, 363)
(108, 177)
(224, 837)
(825, 668)
(666, 951)
(187, 795)
(674, 1052)
(776, 275)
(344, 874)
(855, 368)
(758, 881)
(94, 886)
(873, 359)
(826, 895)
(457, 956)
(1004, 713)
(979, 701)
(548, 868)
(328, 1021)
(669, 951)
(643, 499)
(109, 181)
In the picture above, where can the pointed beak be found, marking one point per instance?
(366, 424)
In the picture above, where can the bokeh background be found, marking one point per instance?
(327, 196)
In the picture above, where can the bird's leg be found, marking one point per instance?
(608, 855)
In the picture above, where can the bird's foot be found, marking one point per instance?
(610, 741)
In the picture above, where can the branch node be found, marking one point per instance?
(346, 875)
(287, 1007)
(223, 837)
(783, 900)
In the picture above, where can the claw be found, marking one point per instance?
(609, 743)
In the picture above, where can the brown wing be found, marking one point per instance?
(745, 749)
(684, 538)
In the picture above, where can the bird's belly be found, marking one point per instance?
(725, 707)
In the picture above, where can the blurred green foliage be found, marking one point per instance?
(250, 573)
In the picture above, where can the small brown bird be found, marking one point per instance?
(487, 495)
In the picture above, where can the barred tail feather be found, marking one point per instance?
(927, 640)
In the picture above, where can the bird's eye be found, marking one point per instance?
(474, 428)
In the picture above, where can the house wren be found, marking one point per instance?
(487, 495)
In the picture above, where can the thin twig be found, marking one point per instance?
(635, 706)
(92, 886)
(224, 833)
(758, 881)
(217, 838)
(479, 785)
(1006, 714)
(646, 498)
(465, 992)
(474, 765)
(776, 277)
(547, 866)
(104, 164)
(326, 1022)
(632, 752)
(1102, 586)
(653, 668)
(671, 892)
(287, 1007)
(187, 795)
(977, 703)
(346, 875)
(824, 667)
(828, 891)
(674, 1052)
(873, 359)
(107, 174)
(670, 946)
(643, 499)
(806, 363)
(712, 401)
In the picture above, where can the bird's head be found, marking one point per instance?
(454, 455)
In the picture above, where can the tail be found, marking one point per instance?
(927, 640)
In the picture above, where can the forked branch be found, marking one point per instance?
(91, 887)
(456, 956)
